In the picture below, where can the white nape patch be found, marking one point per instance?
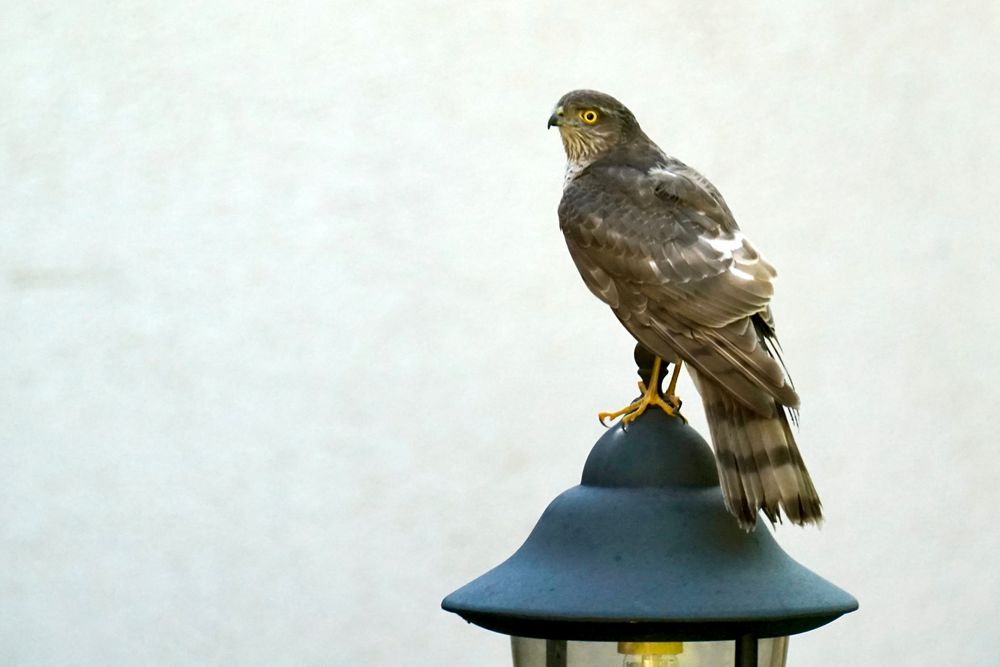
(661, 172)
(742, 275)
(726, 244)
(662, 169)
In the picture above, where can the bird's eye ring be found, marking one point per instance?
(588, 116)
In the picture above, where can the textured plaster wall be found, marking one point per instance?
(292, 346)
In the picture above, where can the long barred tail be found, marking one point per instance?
(760, 467)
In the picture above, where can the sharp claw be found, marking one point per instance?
(648, 397)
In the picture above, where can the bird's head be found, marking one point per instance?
(592, 124)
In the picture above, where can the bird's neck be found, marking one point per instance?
(574, 166)
(637, 152)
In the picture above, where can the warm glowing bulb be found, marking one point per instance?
(651, 654)
(650, 661)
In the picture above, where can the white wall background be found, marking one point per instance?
(293, 348)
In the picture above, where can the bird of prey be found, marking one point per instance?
(654, 240)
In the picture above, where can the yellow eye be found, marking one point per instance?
(588, 116)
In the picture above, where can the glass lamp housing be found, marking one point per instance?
(528, 652)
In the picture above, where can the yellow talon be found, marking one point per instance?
(669, 402)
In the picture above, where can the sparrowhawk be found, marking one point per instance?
(655, 240)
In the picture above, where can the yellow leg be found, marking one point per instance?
(671, 395)
(650, 396)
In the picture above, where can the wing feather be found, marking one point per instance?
(661, 247)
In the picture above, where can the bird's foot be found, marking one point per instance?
(669, 403)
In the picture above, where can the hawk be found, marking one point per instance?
(654, 240)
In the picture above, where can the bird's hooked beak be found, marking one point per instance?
(555, 118)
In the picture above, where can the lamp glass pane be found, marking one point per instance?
(532, 653)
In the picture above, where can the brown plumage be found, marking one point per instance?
(655, 240)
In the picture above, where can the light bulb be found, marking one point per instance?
(651, 654)
(647, 660)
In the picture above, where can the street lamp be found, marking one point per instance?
(642, 566)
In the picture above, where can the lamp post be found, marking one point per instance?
(641, 565)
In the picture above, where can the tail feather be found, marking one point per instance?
(760, 467)
(772, 475)
(738, 498)
(809, 504)
(753, 484)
